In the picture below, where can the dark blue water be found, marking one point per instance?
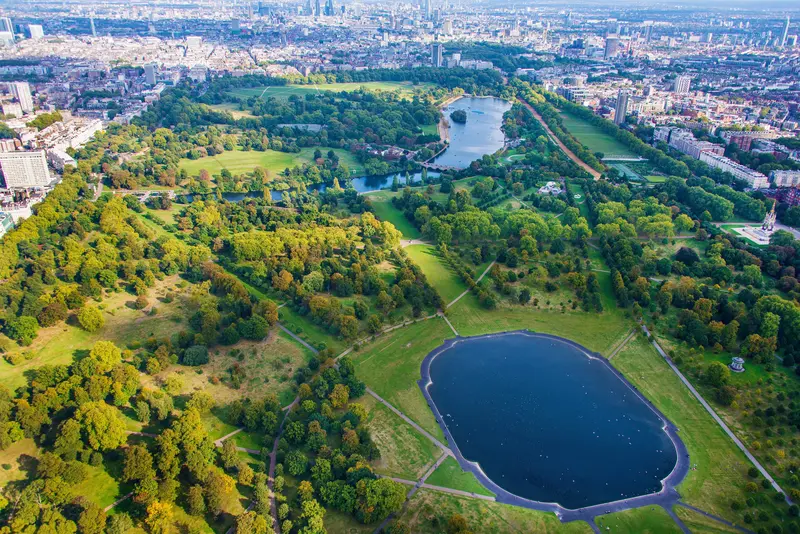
(363, 184)
(547, 423)
(480, 135)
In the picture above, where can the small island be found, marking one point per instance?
(459, 116)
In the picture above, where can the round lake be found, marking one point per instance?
(548, 423)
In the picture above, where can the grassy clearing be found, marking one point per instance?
(21, 459)
(234, 110)
(100, 486)
(700, 524)
(719, 469)
(593, 137)
(428, 511)
(391, 367)
(59, 344)
(311, 333)
(239, 162)
(405, 453)
(439, 274)
(597, 332)
(285, 91)
(450, 475)
(649, 520)
(345, 523)
(386, 211)
(653, 179)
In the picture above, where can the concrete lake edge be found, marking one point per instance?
(666, 497)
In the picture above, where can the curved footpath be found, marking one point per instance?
(666, 498)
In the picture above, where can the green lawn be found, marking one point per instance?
(239, 161)
(234, 110)
(385, 211)
(700, 524)
(649, 520)
(597, 332)
(593, 137)
(653, 179)
(429, 510)
(405, 453)
(285, 91)
(311, 333)
(439, 274)
(341, 523)
(391, 367)
(450, 475)
(721, 469)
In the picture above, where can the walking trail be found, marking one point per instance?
(467, 291)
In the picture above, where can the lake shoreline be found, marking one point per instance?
(666, 497)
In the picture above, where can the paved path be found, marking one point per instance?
(405, 418)
(273, 461)
(570, 154)
(118, 501)
(145, 434)
(622, 345)
(717, 418)
(218, 442)
(711, 516)
(298, 339)
(476, 281)
(408, 242)
(677, 520)
(450, 324)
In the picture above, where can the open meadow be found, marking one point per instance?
(594, 138)
(240, 161)
(285, 91)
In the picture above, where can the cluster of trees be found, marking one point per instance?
(43, 120)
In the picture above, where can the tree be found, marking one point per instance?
(457, 525)
(217, 488)
(159, 518)
(196, 355)
(268, 310)
(377, 498)
(282, 280)
(90, 318)
(717, 374)
(92, 519)
(313, 516)
(252, 523)
(22, 329)
(229, 456)
(138, 464)
(195, 500)
(339, 396)
(296, 463)
(106, 354)
(102, 425)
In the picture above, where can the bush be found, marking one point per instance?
(196, 355)
(90, 318)
(23, 329)
(140, 303)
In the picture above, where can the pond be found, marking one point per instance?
(546, 422)
(480, 135)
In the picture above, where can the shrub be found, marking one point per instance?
(90, 318)
(196, 355)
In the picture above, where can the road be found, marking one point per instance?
(717, 418)
(570, 154)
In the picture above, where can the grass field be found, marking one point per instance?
(391, 367)
(239, 161)
(593, 137)
(450, 475)
(428, 511)
(700, 524)
(341, 523)
(649, 520)
(439, 274)
(721, 469)
(597, 332)
(385, 211)
(308, 331)
(234, 110)
(405, 453)
(285, 91)
(653, 179)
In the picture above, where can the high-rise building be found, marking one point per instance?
(622, 107)
(329, 8)
(25, 169)
(318, 8)
(612, 47)
(682, 85)
(22, 92)
(785, 32)
(437, 54)
(447, 27)
(5, 25)
(36, 31)
(150, 74)
(427, 9)
(91, 25)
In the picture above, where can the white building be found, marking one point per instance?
(22, 92)
(755, 180)
(198, 73)
(785, 178)
(25, 169)
(36, 31)
(682, 85)
(60, 159)
(12, 109)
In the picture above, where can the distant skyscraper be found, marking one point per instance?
(91, 24)
(150, 74)
(5, 25)
(427, 9)
(612, 47)
(682, 85)
(22, 92)
(318, 6)
(447, 27)
(437, 54)
(250, 11)
(36, 31)
(622, 107)
(329, 8)
(785, 32)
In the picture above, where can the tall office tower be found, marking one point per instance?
(308, 10)
(250, 11)
(785, 32)
(329, 8)
(5, 25)
(622, 107)
(791, 41)
(91, 24)
(427, 9)
(682, 85)
(612, 47)
(36, 31)
(318, 8)
(437, 54)
(25, 169)
(447, 27)
(150, 74)
(22, 92)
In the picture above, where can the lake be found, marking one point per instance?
(480, 135)
(547, 423)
